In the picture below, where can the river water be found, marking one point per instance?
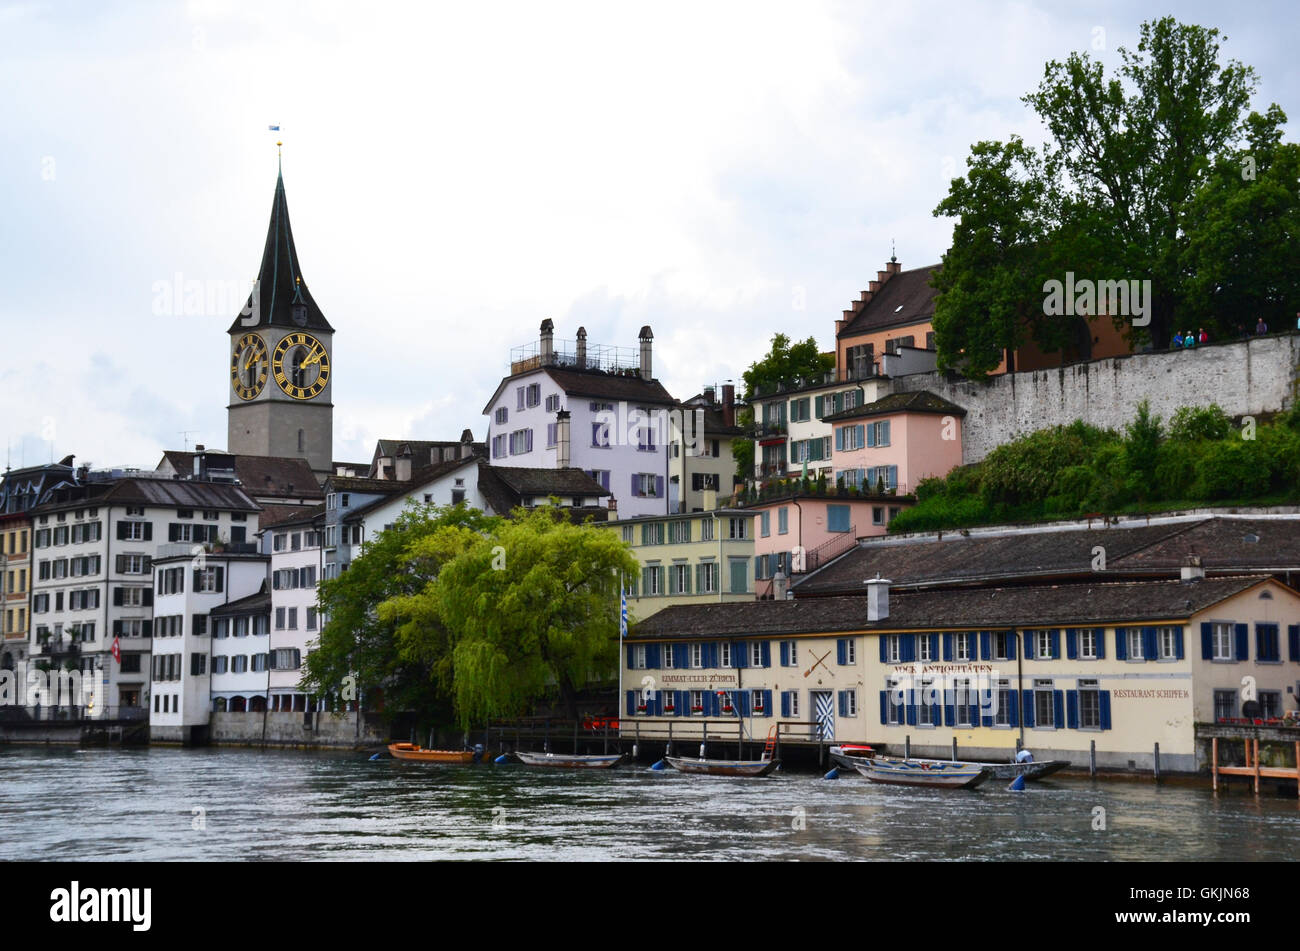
(223, 804)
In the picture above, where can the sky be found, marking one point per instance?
(456, 173)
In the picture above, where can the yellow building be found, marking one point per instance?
(689, 558)
(1054, 669)
(15, 587)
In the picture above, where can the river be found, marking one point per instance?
(231, 804)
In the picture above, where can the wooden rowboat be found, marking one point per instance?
(724, 767)
(1031, 771)
(410, 751)
(848, 755)
(569, 761)
(942, 775)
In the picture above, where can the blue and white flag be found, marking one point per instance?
(622, 618)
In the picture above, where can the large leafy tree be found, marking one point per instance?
(526, 609)
(1110, 196)
(363, 648)
(784, 364)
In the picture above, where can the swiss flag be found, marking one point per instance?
(117, 649)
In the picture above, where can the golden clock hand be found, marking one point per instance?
(313, 357)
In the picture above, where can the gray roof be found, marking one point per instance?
(917, 401)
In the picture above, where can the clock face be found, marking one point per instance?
(301, 366)
(249, 365)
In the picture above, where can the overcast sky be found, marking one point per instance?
(458, 172)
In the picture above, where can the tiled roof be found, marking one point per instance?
(259, 603)
(263, 476)
(180, 494)
(607, 386)
(424, 452)
(905, 298)
(276, 516)
(417, 481)
(918, 401)
(524, 482)
(967, 608)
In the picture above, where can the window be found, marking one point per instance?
(259, 663)
(1222, 638)
(553, 403)
(739, 569)
(894, 648)
(311, 619)
(502, 415)
(737, 528)
(1267, 642)
(679, 532)
(966, 706)
(499, 444)
(707, 573)
(600, 428)
(697, 701)
(198, 664)
(1002, 715)
(837, 518)
(846, 650)
(652, 533)
(895, 715)
(652, 580)
(765, 524)
(848, 703)
(521, 442)
(696, 654)
(1043, 645)
(924, 651)
(756, 654)
(704, 480)
(706, 530)
(1225, 704)
(961, 644)
(638, 657)
(799, 410)
(1133, 639)
(220, 665)
(1168, 640)
(930, 708)
(1088, 643)
(679, 578)
(1002, 645)
(1044, 704)
(724, 654)
(533, 394)
(1270, 704)
(791, 704)
(1089, 705)
(645, 485)
(848, 438)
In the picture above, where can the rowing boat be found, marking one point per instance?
(1031, 771)
(570, 761)
(409, 751)
(939, 774)
(848, 755)
(724, 767)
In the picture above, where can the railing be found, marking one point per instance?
(828, 550)
(772, 470)
(775, 427)
(793, 485)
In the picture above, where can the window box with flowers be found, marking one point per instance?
(669, 706)
(697, 709)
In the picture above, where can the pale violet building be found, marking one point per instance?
(598, 409)
(189, 588)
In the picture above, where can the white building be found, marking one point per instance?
(297, 565)
(597, 409)
(94, 543)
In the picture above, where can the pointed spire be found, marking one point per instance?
(282, 292)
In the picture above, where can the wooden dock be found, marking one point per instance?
(1252, 735)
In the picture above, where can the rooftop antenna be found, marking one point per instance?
(185, 437)
(893, 254)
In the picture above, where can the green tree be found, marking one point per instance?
(528, 608)
(358, 642)
(786, 364)
(1142, 452)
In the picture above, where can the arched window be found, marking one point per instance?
(302, 441)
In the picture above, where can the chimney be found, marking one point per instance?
(582, 348)
(877, 598)
(402, 465)
(613, 504)
(881, 277)
(780, 585)
(709, 500)
(709, 395)
(839, 325)
(466, 444)
(646, 338)
(198, 447)
(547, 351)
(728, 404)
(1192, 569)
(873, 287)
(562, 439)
(893, 267)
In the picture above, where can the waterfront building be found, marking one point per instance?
(281, 359)
(93, 547)
(790, 433)
(889, 445)
(700, 457)
(688, 558)
(292, 611)
(191, 583)
(1058, 669)
(597, 408)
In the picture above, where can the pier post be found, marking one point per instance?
(575, 737)
(740, 739)
(1214, 761)
(1157, 762)
(1092, 758)
(1297, 768)
(1256, 766)
(668, 750)
(907, 747)
(954, 749)
(546, 736)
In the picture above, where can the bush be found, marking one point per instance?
(1176, 468)
(1232, 469)
(1195, 422)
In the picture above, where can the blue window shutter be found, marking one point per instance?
(871, 436)
(635, 486)
(858, 435)
(683, 703)
(1054, 639)
(841, 652)
(884, 656)
(1104, 705)
(1121, 643)
(1058, 705)
(740, 702)
(1293, 641)
(1243, 642)
(1014, 642)
(986, 719)
(785, 654)
(1207, 640)
(934, 645)
(1027, 707)
(884, 706)
(911, 712)
(1101, 642)
(884, 434)
(1013, 702)
(1178, 643)
(656, 704)
(1149, 645)
(909, 648)
(740, 654)
(1072, 709)
(767, 654)
(785, 703)
(652, 656)
(1071, 643)
(659, 487)
(767, 703)
(841, 701)
(631, 703)
(947, 648)
(679, 655)
(629, 656)
(949, 708)
(839, 439)
(986, 645)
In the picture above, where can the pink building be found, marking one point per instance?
(896, 441)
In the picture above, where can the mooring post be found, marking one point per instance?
(954, 749)
(1297, 768)
(1257, 766)
(740, 738)
(575, 737)
(1157, 762)
(1214, 760)
(907, 747)
(1092, 758)
(546, 736)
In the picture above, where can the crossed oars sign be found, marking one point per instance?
(820, 660)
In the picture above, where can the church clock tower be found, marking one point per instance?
(281, 359)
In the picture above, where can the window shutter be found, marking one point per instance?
(884, 654)
(148, 597)
(1243, 642)
(767, 703)
(949, 708)
(711, 655)
(148, 531)
(871, 436)
(947, 648)
(655, 704)
(1104, 704)
(884, 434)
(839, 439)
(173, 532)
(117, 597)
(635, 486)
(934, 645)
(740, 703)
(679, 655)
(1101, 642)
(1054, 644)
(884, 706)
(629, 656)
(1071, 643)
(909, 648)
(1072, 709)
(120, 561)
(841, 652)
(198, 577)
(1121, 643)
(766, 651)
(1292, 640)
(1027, 707)
(785, 654)
(1013, 707)
(121, 531)
(911, 711)
(1149, 646)
(785, 694)
(1058, 708)
(652, 656)
(843, 700)
(740, 654)
(683, 703)
(1178, 643)
(1014, 642)
(146, 628)
(857, 433)
(631, 703)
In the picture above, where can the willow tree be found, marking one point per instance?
(529, 609)
(361, 647)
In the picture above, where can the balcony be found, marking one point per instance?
(766, 429)
(772, 470)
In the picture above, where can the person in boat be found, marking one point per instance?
(1024, 756)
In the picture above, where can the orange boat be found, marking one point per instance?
(420, 754)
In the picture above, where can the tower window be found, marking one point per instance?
(302, 441)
